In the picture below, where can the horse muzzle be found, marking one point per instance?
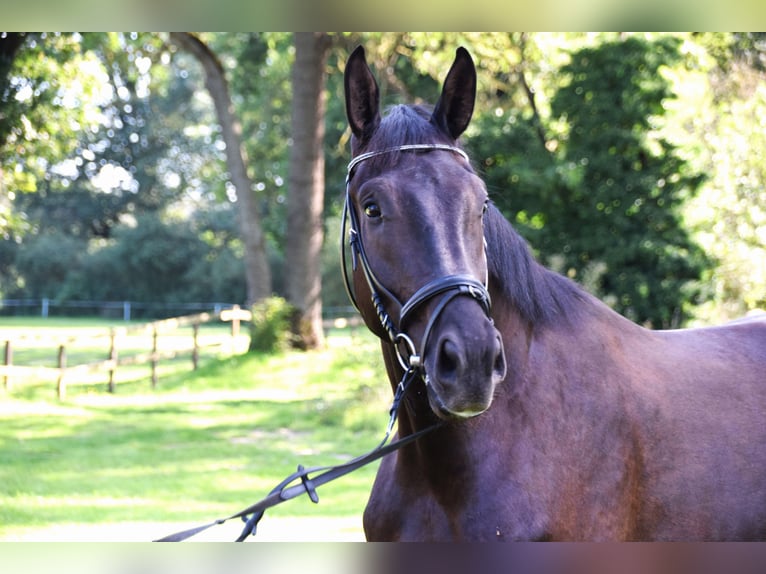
(463, 364)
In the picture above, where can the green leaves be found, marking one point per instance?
(601, 202)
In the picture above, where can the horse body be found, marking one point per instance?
(590, 427)
(602, 431)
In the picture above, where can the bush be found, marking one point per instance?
(43, 263)
(270, 327)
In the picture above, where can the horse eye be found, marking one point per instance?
(372, 210)
(485, 207)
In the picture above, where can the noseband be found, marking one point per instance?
(448, 287)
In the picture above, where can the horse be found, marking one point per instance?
(560, 419)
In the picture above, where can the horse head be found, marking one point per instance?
(416, 212)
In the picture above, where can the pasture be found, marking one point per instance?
(142, 462)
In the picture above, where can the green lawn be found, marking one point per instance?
(143, 462)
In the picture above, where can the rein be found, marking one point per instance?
(286, 490)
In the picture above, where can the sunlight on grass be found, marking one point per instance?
(203, 444)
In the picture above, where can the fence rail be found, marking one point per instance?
(64, 372)
(119, 309)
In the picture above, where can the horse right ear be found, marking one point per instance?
(453, 111)
(362, 96)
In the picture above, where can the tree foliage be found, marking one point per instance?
(726, 101)
(626, 182)
(48, 88)
(153, 260)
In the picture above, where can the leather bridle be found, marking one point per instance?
(449, 287)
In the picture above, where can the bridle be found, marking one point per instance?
(307, 480)
(449, 287)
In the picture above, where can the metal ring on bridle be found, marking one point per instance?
(414, 361)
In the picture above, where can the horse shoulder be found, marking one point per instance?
(582, 418)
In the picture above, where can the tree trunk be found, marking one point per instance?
(10, 44)
(305, 198)
(257, 271)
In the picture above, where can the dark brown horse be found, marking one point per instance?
(564, 421)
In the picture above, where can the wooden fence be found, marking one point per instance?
(64, 372)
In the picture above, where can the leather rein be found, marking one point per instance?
(307, 480)
(301, 481)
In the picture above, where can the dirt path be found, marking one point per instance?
(269, 530)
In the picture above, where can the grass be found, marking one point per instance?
(202, 445)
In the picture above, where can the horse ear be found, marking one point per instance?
(362, 96)
(454, 109)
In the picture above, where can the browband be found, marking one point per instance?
(410, 147)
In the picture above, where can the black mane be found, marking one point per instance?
(538, 294)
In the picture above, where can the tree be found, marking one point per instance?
(722, 121)
(623, 212)
(10, 43)
(258, 66)
(37, 125)
(122, 164)
(157, 258)
(593, 184)
(257, 268)
(305, 199)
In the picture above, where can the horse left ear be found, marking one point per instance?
(362, 96)
(454, 109)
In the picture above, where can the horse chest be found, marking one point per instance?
(456, 508)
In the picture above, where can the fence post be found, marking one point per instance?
(112, 357)
(61, 387)
(235, 322)
(154, 357)
(195, 349)
(45, 304)
(8, 362)
(126, 311)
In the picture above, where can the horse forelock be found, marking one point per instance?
(401, 125)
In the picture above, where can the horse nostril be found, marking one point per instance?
(449, 359)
